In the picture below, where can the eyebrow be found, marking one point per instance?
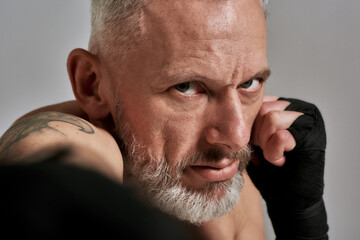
(189, 76)
(264, 74)
(184, 77)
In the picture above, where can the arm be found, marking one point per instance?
(95, 148)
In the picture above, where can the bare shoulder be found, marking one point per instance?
(42, 130)
(52, 129)
(68, 107)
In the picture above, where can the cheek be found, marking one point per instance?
(142, 121)
(166, 132)
(182, 134)
(251, 111)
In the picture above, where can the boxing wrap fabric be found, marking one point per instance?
(293, 192)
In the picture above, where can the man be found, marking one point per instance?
(179, 86)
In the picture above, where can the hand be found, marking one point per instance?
(293, 192)
(270, 129)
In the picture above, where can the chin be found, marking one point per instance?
(195, 206)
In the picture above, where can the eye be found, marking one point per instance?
(251, 84)
(188, 87)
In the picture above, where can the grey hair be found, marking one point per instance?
(264, 3)
(118, 20)
(114, 20)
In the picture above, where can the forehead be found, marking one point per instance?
(205, 19)
(216, 39)
(215, 30)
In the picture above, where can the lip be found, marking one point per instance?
(215, 172)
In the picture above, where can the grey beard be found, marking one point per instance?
(196, 207)
(160, 184)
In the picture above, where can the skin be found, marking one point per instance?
(191, 47)
(218, 47)
(52, 130)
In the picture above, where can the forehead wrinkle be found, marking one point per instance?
(214, 69)
(199, 20)
(207, 53)
(178, 35)
(178, 77)
(183, 21)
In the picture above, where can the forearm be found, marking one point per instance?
(306, 224)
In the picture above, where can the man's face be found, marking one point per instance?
(187, 96)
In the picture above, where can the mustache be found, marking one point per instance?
(216, 154)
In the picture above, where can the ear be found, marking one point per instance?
(88, 86)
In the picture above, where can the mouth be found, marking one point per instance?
(215, 172)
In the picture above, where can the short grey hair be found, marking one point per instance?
(114, 20)
(118, 20)
(264, 3)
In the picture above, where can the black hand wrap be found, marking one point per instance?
(293, 192)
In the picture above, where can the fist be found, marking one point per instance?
(293, 192)
(297, 135)
(270, 130)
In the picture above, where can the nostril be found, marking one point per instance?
(212, 135)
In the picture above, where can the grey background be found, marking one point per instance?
(313, 50)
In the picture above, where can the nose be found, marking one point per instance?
(227, 126)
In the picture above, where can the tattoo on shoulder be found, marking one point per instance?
(37, 123)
